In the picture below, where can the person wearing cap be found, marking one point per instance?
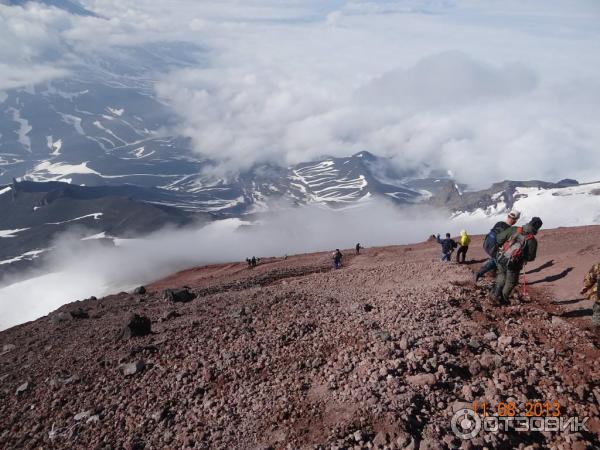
(509, 270)
(511, 219)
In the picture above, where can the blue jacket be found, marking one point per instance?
(448, 245)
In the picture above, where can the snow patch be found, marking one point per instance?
(116, 111)
(94, 215)
(24, 129)
(97, 124)
(47, 171)
(5, 190)
(558, 207)
(74, 121)
(25, 256)
(55, 146)
(95, 236)
(11, 233)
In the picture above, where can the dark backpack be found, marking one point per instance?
(490, 245)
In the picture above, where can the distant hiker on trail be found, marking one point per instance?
(253, 261)
(490, 243)
(463, 243)
(358, 247)
(517, 247)
(448, 246)
(591, 290)
(337, 259)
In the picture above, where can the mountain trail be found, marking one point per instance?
(295, 355)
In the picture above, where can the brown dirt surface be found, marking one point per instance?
(295, 355)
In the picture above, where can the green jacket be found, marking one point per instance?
(530, 250)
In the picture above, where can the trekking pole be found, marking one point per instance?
(524, 291)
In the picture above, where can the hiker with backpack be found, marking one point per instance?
(337, 259)
(448, 246)
(463, 247)
(358, 247)
(490, 243)
(517, 247)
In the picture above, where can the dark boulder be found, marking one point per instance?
(79, 313)
(141, 290)
(178, 295)
(137, 326)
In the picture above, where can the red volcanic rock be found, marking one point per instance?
(295, 355)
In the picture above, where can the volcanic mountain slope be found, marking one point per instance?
(34, 214)
(295, 355)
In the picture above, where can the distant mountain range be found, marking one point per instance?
(35, 212)
(91, 150)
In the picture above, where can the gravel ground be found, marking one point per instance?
(294, 355)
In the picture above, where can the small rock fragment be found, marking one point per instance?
(22, 388)
(133, 368)
(422, 379)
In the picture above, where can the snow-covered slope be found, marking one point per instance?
(559, 206)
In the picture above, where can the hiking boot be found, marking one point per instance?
(494, 299)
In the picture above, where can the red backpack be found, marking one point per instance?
(511, 253)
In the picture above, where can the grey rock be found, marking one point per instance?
(505, 341)
(404, 343)
(83, 415)
(133, 368)
(61, 317)
(8, 347)
(423, 379)
(22, 388)
(491, 336)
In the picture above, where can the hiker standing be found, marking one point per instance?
(490, 243)
(253, 261)
(448, 246)
(463, 243)
(591, 289)
(358, 247)
(518, 246)
(337, 258)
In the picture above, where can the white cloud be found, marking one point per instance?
(466, 85)
(82, 269)
(459, 89)
(12, 76)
